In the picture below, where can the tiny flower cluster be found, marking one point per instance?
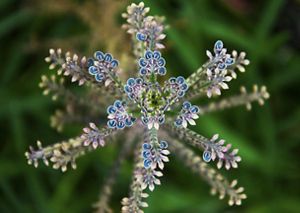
(152, 63)
(102, 66)
(175, 88)
(187, 115)
(217, 69)
(155, 156)
(153, 120)
(134, 88)
(221, 60)
(118, 116)
(215, 148)
(93, 136)
(146, 29)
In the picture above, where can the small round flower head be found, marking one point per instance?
(187, 115)
(141, 36)
(218, 80)
(176, 87)
(134, 88)
(152, 63)
(155, 156)
(215, 148)
(220, 60)
(92, 136)
(147, 155)
(135, 14)
(153, 121)
(103, 64)
(118, 116)
(153, 32)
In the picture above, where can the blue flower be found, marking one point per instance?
(152, 63)
(141, 36)
(134, 88)
(207, 156)
(118, 116)
(153, 120)
(154, 156)
(221, 59)
(103, 64)
(163, 144)
(187, 115)
(177, 87)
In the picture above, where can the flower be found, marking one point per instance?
(216, 69)
(217, 79)
(221, 59)
(153, 112)
(93, 136)
(187, 115)
(118, 117)
(103, 65)
(152, 63)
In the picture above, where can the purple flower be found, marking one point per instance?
(152, 63)
(118, 116)
(187, 115)
(102, 66)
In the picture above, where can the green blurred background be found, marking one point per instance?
(268, 136)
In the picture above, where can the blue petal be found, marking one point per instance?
(99, 55)
(162, 71)
(108, 57)
(178, 122)
(131, 96)
(127, 89)
(114, 63)
(143, 71)
(142, 62)
(141, 36)
(90, 62)
(147, 146)
(222, 66)
(145, 120)
(186, 105)
(93, 70)
(128, 122)
(161, 62)
(229, 61)
(156, 55)
(148, 54)
(180, 80)
(111, 109)
(131, 82)
(184, 87)
(181, 94)
(161, 120)
(139, 81)
(147, 163)
(194, 109)
(219, 45)
(120, 125)
(118, 104)
(172, 80)
(207, 156)
(163, 144)
(111, 123)
(146, 154)
(99, 77)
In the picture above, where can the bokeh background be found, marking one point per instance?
(268, 136)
